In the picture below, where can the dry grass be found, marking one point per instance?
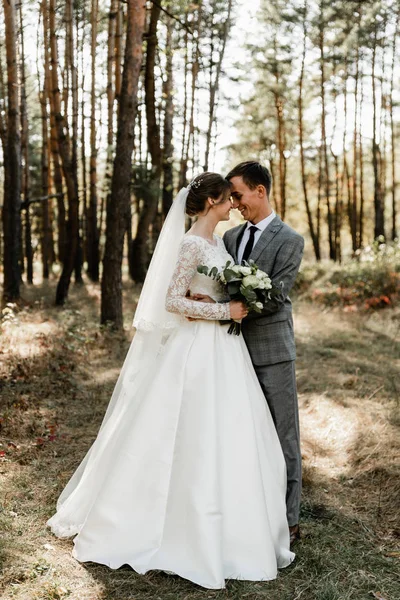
(58, 369)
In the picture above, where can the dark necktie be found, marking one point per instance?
(250, 243)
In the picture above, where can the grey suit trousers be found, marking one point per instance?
(278, 382)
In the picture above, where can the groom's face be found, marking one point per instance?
(249, 202)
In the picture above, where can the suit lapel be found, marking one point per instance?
(266, 237)
(235, 241)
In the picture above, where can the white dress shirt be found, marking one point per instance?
(245, 237)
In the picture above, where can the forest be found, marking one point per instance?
(107, 109)
(105, 115)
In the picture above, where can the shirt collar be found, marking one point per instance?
(261, 225)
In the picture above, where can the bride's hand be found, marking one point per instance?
(238, 310)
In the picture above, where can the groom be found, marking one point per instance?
(277, 249)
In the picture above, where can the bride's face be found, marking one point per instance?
(222, 206)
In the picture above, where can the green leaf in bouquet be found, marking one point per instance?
(275, 291)
(249, 294)
(203, 269)
(233, 288)
(255, 308)
(231, 275)
(250, 263)
(213, 273)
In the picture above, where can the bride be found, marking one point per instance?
(186, 474)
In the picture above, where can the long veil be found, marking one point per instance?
(153, 326)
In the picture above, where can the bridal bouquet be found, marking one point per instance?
(246, 283)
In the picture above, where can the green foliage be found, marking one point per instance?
(370, 280)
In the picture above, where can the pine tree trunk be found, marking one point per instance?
(140, 245)
(118, 49)
(72, 76)
(310, 220)
(119, 205)
(319, 192)
(54, 151)
(214, 83)
(92, 228)
(190, 139)
(392, 130)
(12, 162)
(183, 161)
(3, 131)
(338, 181)
(379, 228)
(83, 161)
(280, 135)
(167, 192)
(355, 218)
(46, 240)
(346, 173)
(25, 181)
(383, 125)
(361, 169)
(111, 44)
(68, 167)
(323, 134)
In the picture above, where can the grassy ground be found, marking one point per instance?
(57, 372)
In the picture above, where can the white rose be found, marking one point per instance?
(261, 285)
(261, 274)
(250, 281)
(259, 305)
(245, 270)
(235, 268)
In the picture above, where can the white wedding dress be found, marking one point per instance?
(189, 477)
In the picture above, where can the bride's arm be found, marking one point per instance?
(186, 268)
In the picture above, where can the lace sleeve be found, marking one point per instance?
(190, 256)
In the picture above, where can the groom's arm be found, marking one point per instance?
(286, 267)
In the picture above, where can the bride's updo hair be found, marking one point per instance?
(206, 185)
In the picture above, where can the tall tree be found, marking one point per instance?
(355, 209)
(26, 184)
(379, 226)
(111, 47)
(92, 231)
(310, 219)
(325, 174)
(119, 205)
(217, 47)
(167, 191)
(56, 179)
(392, 127)
(197, 31)
(46, 233)
(69, 164)
(140, 245)
(12, 161)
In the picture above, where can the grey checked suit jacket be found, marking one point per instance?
(269, 336)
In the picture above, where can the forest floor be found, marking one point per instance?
(58, 369)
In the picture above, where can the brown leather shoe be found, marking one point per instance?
(294, 534)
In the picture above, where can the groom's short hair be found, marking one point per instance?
(253, 174)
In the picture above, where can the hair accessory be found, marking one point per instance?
(195, 184)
